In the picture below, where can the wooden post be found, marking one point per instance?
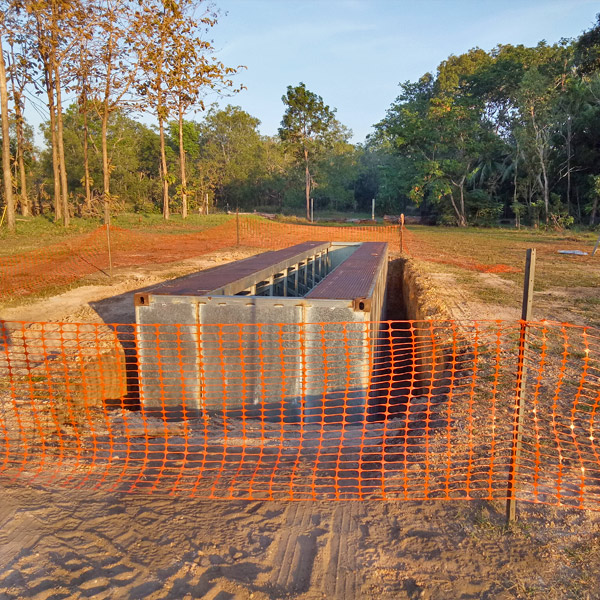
(237, 225)
(596, 246)
(511, 503)
(402, 233)
(109, 252)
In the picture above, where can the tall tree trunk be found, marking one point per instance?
(594, 211)
(7, 177)
(105, 166)
(515, 198)
(541, 146)
(459, 210)
(546, 197)
(54, 142)
(106, 106)
(86, 160)
(569, 152)
(184, 203)
(307, 183)
(61, 150)
(161, 114)
(463, 215)
(17, 95)
(163, 163)
(24, 197)
(544, 184)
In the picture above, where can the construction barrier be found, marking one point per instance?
(446, 410)
(53, 267)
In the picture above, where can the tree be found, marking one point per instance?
(174, 70)
(19, 75)
(309, 126)
(83, 71)
(536, 99)
(337, 172)
(231, 160)
(55, 25)
(190, 74)
(439, 125)
(6, 174)
(587, 50)
(133, 155)
(115, 72)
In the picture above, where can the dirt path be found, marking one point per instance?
(111, 300)
(78, 544)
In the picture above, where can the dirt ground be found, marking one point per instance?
(64, 543)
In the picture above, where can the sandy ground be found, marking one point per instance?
(63, 543)
(111, 299)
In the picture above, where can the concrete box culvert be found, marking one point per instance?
(289, 334)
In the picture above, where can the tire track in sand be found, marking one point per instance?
(296, 548)
(339, 580)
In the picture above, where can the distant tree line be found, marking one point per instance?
(512, 134)
(509, 134)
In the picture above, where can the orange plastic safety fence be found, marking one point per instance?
(66, 262)
(389, 411)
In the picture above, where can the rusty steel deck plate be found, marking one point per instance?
(208, 281)
(355, 277)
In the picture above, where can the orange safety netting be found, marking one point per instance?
(391, 411)
(64, 263)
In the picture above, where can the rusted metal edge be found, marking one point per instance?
(356, 277)
(141, 299)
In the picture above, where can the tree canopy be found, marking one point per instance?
(309, 126)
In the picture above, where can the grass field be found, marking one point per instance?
(59, 539)
(36, 232)
(488, 265)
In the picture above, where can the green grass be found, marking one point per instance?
(175, 224)
(466, 247)
(507, 247)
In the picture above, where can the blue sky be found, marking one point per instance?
(354, 53)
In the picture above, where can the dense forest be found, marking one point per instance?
(510, 135)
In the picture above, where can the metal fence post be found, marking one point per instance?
(515, 456)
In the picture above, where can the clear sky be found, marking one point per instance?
(354, 53)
